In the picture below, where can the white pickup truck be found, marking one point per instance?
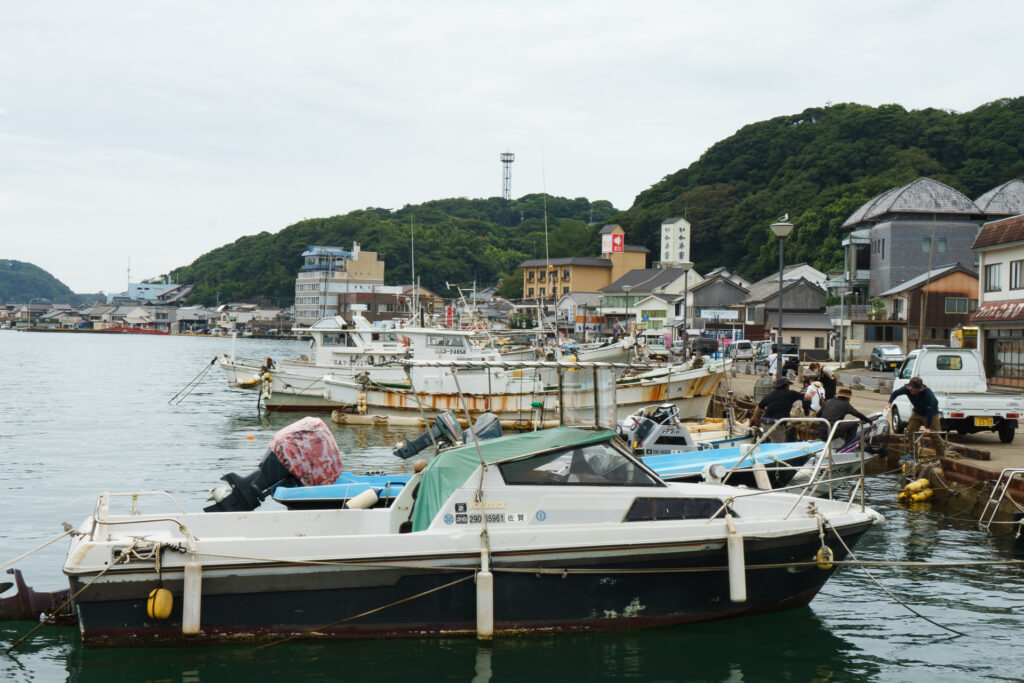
(957, 378)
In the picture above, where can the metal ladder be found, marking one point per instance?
(999, 492)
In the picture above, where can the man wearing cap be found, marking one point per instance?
(776, 406)
(837, 408)
(925, 415)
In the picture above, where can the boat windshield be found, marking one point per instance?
(598, 464)
(337, 339)
(446, 341)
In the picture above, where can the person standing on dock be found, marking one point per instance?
(826, 377)
(836, 409)
(773, 363)
(925, 415)
(776, 406)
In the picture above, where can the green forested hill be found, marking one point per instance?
(21, 282)
(819, 166)
(457, 240)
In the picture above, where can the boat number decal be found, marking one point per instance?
(541, 515)
(460, 507)
(448, 519)
(461, 519)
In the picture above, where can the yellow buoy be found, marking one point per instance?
(917, 485)
(922, 495)
(159, 604)
(824, 556)
(904, 496)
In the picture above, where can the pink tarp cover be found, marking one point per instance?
(308, 449)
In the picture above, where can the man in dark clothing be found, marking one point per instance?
(925, 415)
(776, 406)
(839, 407)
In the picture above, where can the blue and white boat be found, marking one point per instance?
(779, 460)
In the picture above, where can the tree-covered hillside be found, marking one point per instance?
(819, 166)
(21, 282)
(456, 240)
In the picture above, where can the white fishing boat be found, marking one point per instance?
(333, 344)
(517, 394)
(554, 530)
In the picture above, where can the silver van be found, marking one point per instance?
(741, 349)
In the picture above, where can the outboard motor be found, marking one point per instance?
(302, 454)
(487, 426)
(447, 432)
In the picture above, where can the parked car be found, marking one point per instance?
(957, 377)
(886, 357)
(741, 349)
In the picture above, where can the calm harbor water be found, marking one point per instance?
(81, 414)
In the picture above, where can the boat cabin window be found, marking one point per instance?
(446, 341)
(673, 441)
(336, 339)
(593, 465)
(652, 509)
(385, 337)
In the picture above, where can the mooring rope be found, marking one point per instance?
(667, 570)
(124, 556)
(193, 383)
(67, 530)
(887, 591)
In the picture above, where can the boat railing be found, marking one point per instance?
(101, 511)
(825, 458)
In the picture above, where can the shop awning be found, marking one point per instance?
(999, 312)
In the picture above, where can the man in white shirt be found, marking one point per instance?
(773, 363)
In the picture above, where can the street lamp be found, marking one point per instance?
(626, 288)
(781, 230)
(842, 327)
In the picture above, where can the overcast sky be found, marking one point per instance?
(149, 132)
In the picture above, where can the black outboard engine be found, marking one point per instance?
(447, 432)
(302, 454)
(249, 491)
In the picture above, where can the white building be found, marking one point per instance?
(675, 242)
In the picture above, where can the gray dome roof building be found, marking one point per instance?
(1005, 200)
(861, 214)
(923, 196)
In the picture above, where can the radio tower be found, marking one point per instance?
(506, 189)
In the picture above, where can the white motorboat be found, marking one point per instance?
(553, 530)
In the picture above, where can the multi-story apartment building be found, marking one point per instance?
(331, 280)
(1000, 314)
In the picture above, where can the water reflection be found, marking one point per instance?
(794, 646)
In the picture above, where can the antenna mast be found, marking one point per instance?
(506, 189)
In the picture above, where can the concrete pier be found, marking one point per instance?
(960, 471)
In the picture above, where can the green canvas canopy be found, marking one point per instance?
(450, 469)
